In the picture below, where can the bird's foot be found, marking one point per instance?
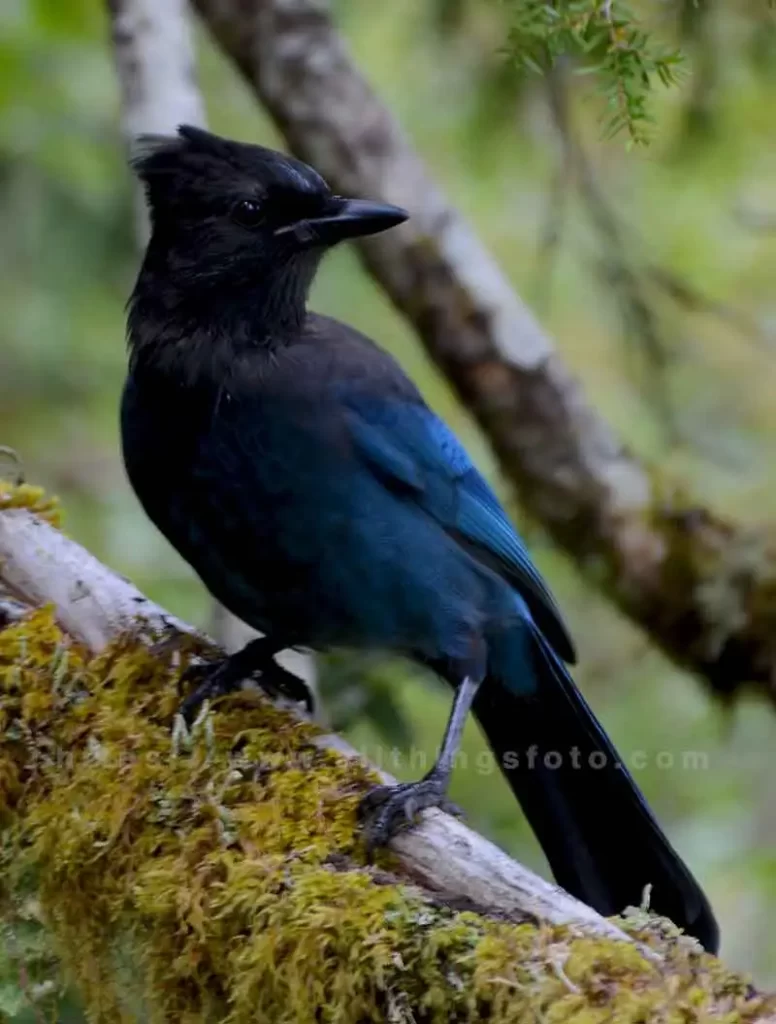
(277, 682)
(386, 810)
(213, 679)
(226, 675)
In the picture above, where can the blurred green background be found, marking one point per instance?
(694, 392)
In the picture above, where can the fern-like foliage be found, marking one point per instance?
(606, 39)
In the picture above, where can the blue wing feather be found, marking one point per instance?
(409, 447)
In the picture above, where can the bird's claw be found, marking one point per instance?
(213, 682)
(218, 678)
(277, 681)
(387, 810)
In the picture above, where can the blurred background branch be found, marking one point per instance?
(155, 63)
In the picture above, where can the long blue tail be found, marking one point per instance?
(597, 832)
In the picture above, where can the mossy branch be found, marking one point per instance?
(96, 608)
(218, 874)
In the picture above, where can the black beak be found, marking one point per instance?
(345, 218)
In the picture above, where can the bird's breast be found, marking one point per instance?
(247, 480)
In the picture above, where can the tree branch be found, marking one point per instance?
(155, 59)
(155, 62)
(680, 571)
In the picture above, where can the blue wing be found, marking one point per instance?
(412, 450)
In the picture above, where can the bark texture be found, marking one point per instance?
(704, 588)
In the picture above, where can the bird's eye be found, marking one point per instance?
(248, 212)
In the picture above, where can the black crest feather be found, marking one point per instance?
(195, 163)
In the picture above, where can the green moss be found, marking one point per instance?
(219, 875)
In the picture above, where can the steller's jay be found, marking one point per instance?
(298, 470)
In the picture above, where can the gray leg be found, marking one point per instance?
(451, 741)
(387, 810)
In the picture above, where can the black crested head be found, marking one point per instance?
(238, 229)
(198, 175)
